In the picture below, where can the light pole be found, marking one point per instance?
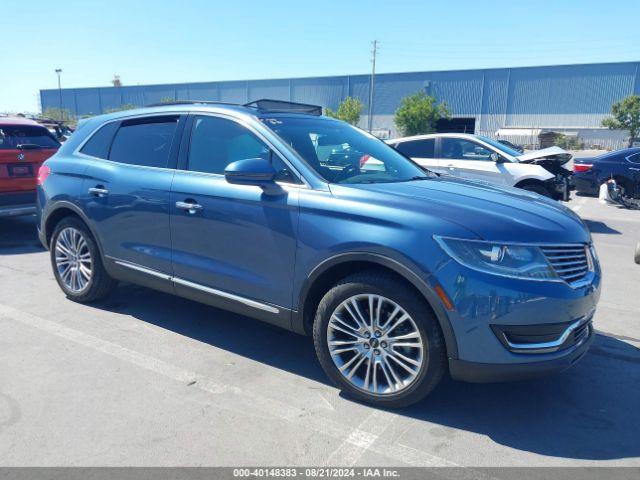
(374, 52)
(59, 71)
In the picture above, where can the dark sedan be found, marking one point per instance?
(622, 165)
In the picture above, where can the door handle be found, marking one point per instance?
(189, 206)
(99, 191)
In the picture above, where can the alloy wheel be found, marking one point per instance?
(73, 259)
(375, 344)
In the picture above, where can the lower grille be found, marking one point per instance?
(543, 338)
(570, 262)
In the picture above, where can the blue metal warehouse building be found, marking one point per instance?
(513, 103)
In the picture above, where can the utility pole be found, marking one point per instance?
(374, 52)
(59, 71)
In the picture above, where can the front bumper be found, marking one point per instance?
(499, 372)
(560, 187)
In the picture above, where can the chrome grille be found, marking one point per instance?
(570, 262)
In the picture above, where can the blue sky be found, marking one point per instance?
(166, 41)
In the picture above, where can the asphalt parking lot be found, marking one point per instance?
(147, 379)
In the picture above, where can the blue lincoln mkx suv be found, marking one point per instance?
(273, 211)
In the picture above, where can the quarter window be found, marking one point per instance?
(418, 148)
(99, 144)
(145, 142)
(460, 149)
(217, 142)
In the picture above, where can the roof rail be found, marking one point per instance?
(189, 102)
(263, 105)
(281, 106)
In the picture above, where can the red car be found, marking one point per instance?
(24, 145)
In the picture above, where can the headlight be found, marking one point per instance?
(516, 261)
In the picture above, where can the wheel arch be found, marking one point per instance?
(330, 271)
(62, 210)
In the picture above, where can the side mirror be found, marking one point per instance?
(496, 158)
(253, 171)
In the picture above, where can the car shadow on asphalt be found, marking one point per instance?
(18, 235)
(588, 412)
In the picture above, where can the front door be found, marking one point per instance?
(421, 151)
(233, 245)
(468, 159)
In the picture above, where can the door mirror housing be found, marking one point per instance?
(253, 171)
(497, 158)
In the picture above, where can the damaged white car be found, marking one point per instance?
(547, 172)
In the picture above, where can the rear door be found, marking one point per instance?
(127, 187)
(23, 148)
(422, 151)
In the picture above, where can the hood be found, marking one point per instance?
(555, 153)
(445, 204)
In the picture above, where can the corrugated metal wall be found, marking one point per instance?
(573, 96)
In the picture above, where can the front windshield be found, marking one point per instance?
(500, 146)
(341, 153)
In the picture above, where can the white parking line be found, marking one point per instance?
(360, 439)
(355, 445)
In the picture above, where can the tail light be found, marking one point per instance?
(582, 167)
(43, 173)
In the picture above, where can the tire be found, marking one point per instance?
(537, 188)
(74, 252)
(637, 254)
(369, 362)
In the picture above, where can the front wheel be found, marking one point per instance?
(77, 264)
(379, 341)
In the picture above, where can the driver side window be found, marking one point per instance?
(461, 149)
(217, 142)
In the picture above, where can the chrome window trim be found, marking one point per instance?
(121, 119)
(197, 286)
(241, 121)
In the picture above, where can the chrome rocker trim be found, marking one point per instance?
(197, 286)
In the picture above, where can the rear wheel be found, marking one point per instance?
(77, 264)
(378, 340)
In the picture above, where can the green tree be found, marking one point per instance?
(626, 116)
(348, 111)
(63, 115)
(418, 114)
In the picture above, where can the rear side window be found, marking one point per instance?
(418, 148)
(15, 136)
(100, 142)
(145, 142)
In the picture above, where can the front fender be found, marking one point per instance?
(400, 265)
